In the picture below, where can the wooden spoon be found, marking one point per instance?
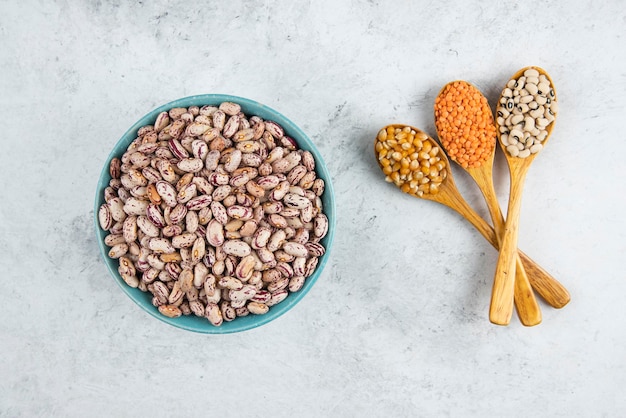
(481, 146)
(449, 195)
(502, 294)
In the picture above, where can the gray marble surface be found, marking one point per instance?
(397, 324)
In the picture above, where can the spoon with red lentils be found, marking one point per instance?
(467, 131)
(525, 118)
(415, 163)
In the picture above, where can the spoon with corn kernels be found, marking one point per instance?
(414, 162)
(526, 112)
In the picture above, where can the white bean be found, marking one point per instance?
(513, 150)
(536, 148)
(531, 101)
(531, 72)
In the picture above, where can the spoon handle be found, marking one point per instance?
(501, 307)
(547, 286)
(527, 307)
(553, 292)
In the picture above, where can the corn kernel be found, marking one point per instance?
(410, 160)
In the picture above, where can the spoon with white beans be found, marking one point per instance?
(525, 118)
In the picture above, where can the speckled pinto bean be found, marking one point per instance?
(216, 213)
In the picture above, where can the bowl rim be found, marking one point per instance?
(292, 130)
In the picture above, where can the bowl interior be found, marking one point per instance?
(191, 322)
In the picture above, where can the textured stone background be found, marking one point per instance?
(397, 324)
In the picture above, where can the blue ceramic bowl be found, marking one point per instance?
(193, 323)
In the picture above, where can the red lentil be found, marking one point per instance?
(465, 124)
